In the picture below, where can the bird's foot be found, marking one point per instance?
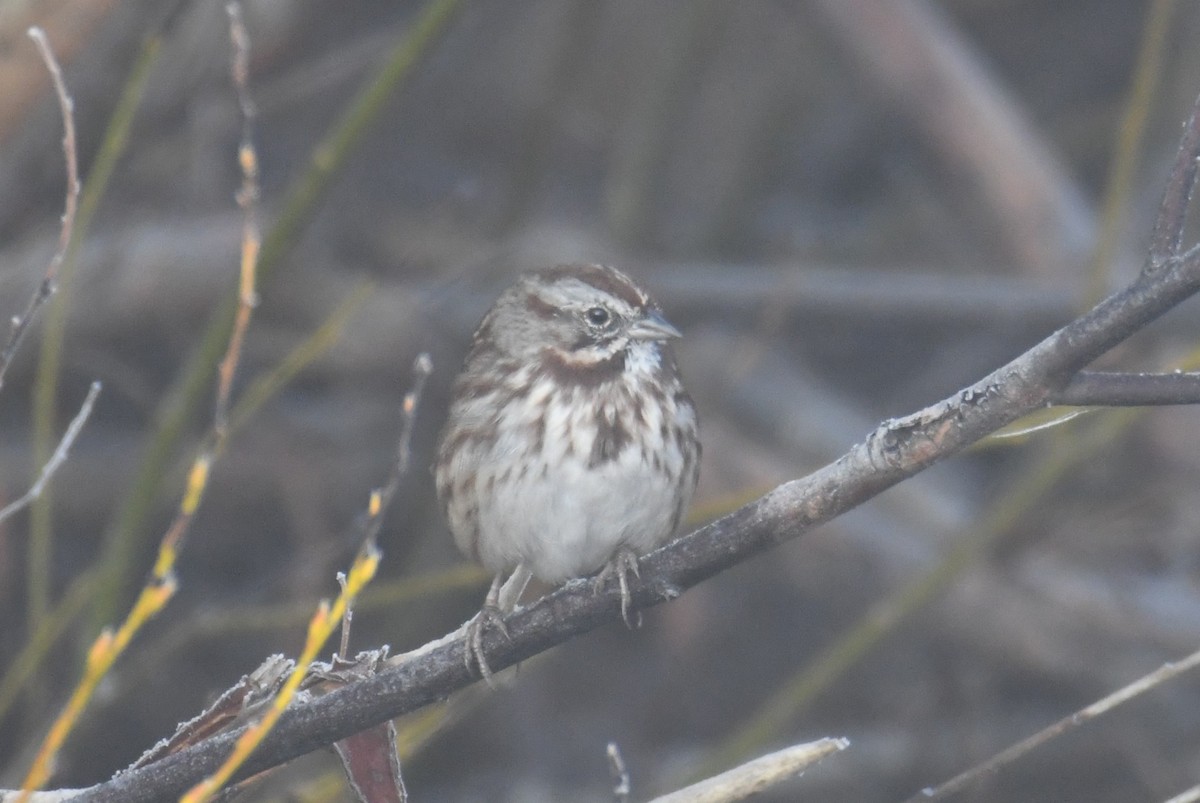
(623, 564)
(489, 616)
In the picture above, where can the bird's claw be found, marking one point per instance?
(623, 564)
(489, 616)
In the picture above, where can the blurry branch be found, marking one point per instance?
(59, 456)
(20, 323)
(758, 775)
(299, 206)
(918, 62)
(1065, 725)
(895, 451)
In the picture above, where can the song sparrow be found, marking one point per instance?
(571, 444)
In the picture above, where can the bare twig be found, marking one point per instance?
(59, 456)
(616, 767)
(247, 198)
(1190, 795)
(1066, 724)
(1166, 241)
(20, 323)
(422, 368)
(757, 775)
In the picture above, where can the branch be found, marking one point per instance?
(59, 456)
(1065, 725)
(1104, 389)
(20, 323)
(896, 450)
(758, 775)
(1173, 211)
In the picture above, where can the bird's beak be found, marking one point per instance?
(653, 326)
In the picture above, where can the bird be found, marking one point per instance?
(571, 446)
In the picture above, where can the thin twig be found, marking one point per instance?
(422, 368)
(620, 775)
(1173, 211)
(20, 323)
(247, 199)
(758, 775)
(59, 456)
(1064, 725)
(45, 417)
(347, 619)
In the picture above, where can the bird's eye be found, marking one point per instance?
(597, 316)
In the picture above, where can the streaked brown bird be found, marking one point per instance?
(571, 445)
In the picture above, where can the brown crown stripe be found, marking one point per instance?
(601, 277)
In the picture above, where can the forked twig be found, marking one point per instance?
(20, 323)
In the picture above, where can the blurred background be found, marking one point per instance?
(850, 207)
